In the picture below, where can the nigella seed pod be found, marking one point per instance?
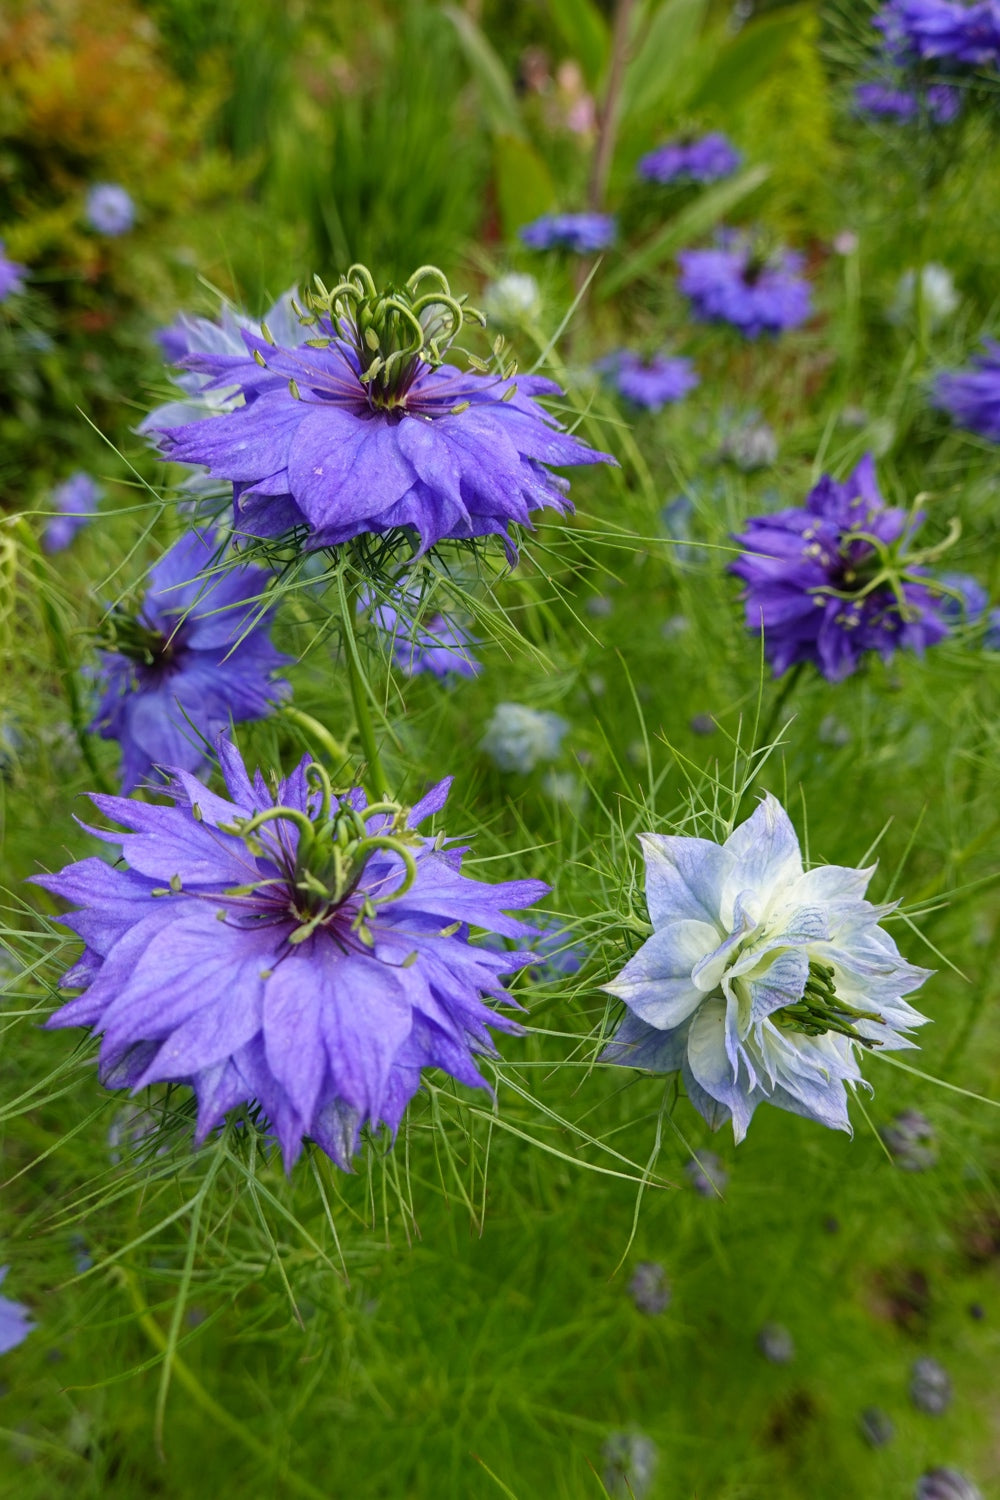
(946, 1484)
(776, 1344)
(649, 1288)
(930, 1386)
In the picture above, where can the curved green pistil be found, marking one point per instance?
(334, 846)
(821, 1010)
(394, 330)
(127, 635)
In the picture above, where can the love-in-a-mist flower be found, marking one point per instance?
(15, 1320)
(945, 31)
(708, 159)
(939, 104)
(650, 383)
(828, 581)
(761, 980)
(519, 738)
(195, 656)
(110, 209)
(972, 397)
(583, 234)
(938, 296)
(11, 276)
(75, 500)
(734, 283)
(365, 428)
(289, 946)
(431, 643)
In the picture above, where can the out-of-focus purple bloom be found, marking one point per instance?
(584, 234)
(371, 431)
(876, 1426)
(946, 1484)
(991, 637)
(15, 1320)
(882, 101)
(966, 601)
(11, 276)
(830, 580)
(755, 294)
(941, 30)
(707, 1174)
(938, 296)
(196, 656)
(435, 644)
(651, 383)
(518, 738)
(548, 955)
(760, 979)
(234, 953)
(909, 1139)
(776, 1344)
(707, 159)
(110, 209)
(630, 1460)
(972, 397)
(76, 501)
(649, 1288)
(930, 1386)
(751, 445)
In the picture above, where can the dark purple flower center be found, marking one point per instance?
(149, 646)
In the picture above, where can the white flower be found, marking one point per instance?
(517, 738)
(761, 979)
(513, 299)
(939, 295)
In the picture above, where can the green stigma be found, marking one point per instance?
(334, 846)
(395, 330)
(821, 1009)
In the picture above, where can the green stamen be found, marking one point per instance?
(821, 1010)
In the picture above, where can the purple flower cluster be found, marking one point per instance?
(11, 276)
(707, 159)
(651, 383)
(881, 101)
(76, 501)
(434, 644)
(972, 397)
(584, 234)
(828, 581)
(942, 31)
(291, 947)
(733, 284)
(365, 430)
(195, 657)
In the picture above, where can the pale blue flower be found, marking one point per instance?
(110, 209)
(519, 738)
(15, 1323)
(761, 979)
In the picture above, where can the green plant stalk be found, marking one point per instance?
(375, 778)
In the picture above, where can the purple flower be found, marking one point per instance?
(371, 431)
(965, 602)
(289, 946)
(11, 276)
(880, 101)
(991, 638)
(755, 294)
(196, 656)
(708, 159)
(584, 234)
(76, 500)
(650, 383)
(760, 978)
(435, 644)
(942, 30)
(829, 580)
(109, 209)
(972, 397)
(946, 1484)
(15, 1321)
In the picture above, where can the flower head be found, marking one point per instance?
(963, 601)
(708, 159)
(76, 501)
(365, 428)
(941, 30)
(11, 276)
(938, 296)
(972, 397)
(946, 1484)
(761, 979)
(15, 1321)
(518, 738)
(110, 209)
(630, 1462)
(513, 299)
(930, 1386)
(940, 103)
(650, 383)
(435, 644)
(832, 579)
(288, 945)
(750, 445)
(755, 294)
(583, 234)
(195, 656)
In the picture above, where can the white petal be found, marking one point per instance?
(683, 877)
(765, 855)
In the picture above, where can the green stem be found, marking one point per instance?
(375, 779)
(335, 749)
(764, 736)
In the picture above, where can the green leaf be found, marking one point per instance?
(524, 187)
(690, 224)
(496, 90)
(745, 62)
(657, 66)
(585, 32)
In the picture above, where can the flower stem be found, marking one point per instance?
(608, 131)
(335, 749)
(375, 778)
(763, 737)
